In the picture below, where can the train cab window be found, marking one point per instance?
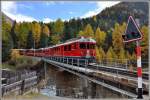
(92, 46)
(82, 46)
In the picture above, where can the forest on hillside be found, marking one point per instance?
(106, 28)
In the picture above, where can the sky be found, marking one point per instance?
(48, 11)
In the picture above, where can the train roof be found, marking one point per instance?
(81, 39)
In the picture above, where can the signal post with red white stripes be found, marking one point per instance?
(139, 70)
(131, 34)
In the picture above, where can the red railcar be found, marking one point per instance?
(78, 47)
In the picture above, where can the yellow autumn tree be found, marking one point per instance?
(81, 33)
(58, 26)
(97, 54)
(102, 54)
(117, 37)
(94, 18)
(144, 31)
(133, 56)
(88, 31)
(46, 30)
(36, 32)
(100, 36)
(128, 56)
(110, 55)
(55, 39)
(122, 57)
(15, 55)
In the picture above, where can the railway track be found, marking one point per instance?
(118, 71)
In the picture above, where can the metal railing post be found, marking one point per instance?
(67, 60)
(78, 62)
(72, 61)
(126, 64)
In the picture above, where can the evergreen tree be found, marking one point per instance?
(43, 40)
(13, 35)
(30, 41)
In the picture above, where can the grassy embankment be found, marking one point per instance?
(20, 62)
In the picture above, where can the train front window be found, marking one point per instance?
(92, 46)
(82, 46)
(88, 46)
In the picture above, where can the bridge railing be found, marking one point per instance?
(109, 62)
(71, 61)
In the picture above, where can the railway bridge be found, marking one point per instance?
(117, 78)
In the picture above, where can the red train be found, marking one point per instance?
(78, 47)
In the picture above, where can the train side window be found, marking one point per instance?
(69, 47)
(88, 46)
(65, 48)
(75, 46)
(82, 46)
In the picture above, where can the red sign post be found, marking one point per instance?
(131, 34)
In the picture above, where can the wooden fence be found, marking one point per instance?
(18, 81)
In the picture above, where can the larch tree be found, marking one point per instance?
(128, 55)
(110, 55)
(36, 32)
(44, 36)
(81, 33)
(14, 55)
(88, 31)
(55, 39)
(145, 31)
(102, 54)
(22, 30)
(94, 18)
(122, 57)
(117, 37)
(46, 30)
(100, 37)
(6, 40)
(58, 27)
(97, 54)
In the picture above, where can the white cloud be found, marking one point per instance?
(20, 17)
(9, 6)
(70, 12)
(47, 20)
(100, 6)
(49, 3)
(10, 9)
